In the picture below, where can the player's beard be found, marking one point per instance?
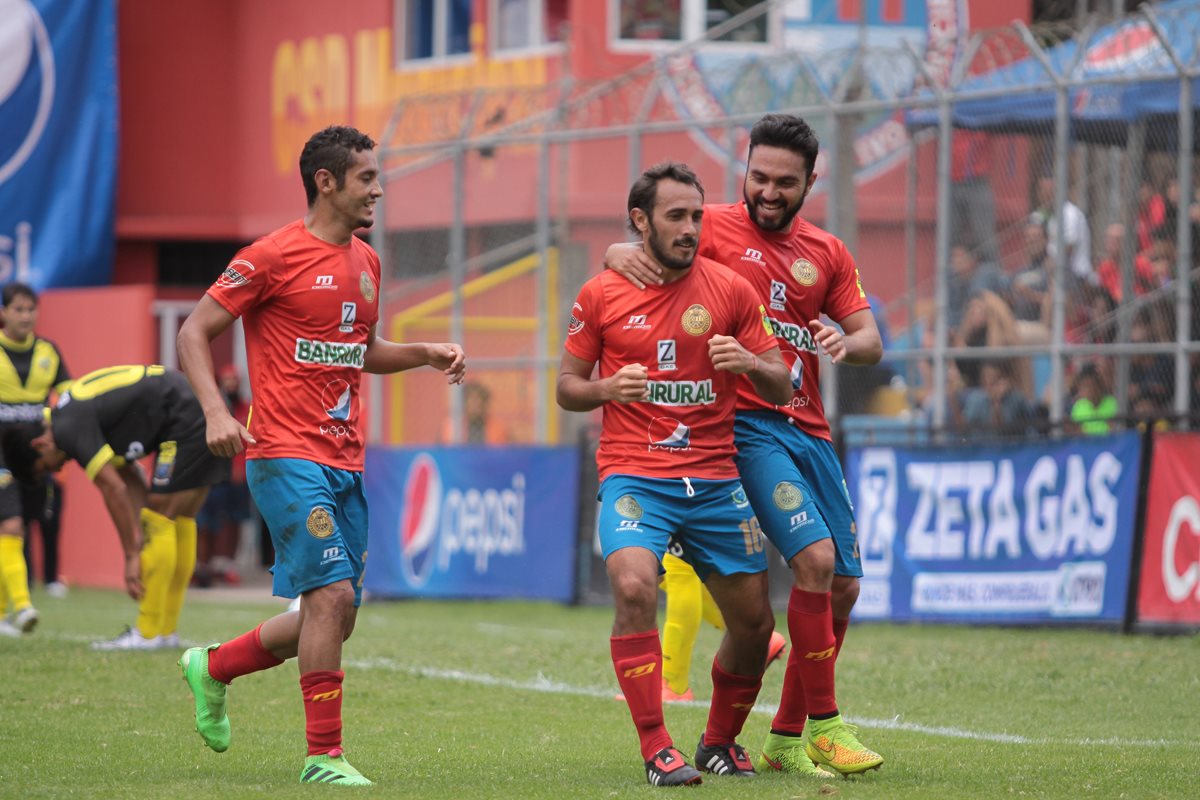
(785, 221)
(664, 257)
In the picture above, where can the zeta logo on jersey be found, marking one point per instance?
(668, 433)
(349, 313)
(666, 355)
(778, 295)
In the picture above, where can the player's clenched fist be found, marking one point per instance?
(728, 355)
(225, 435)
(629, 384)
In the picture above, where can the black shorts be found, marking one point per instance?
(17, 459)
(183, 460)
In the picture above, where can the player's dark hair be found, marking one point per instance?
(14, 290)
(790, 133)
(331, 149)
(644, 192)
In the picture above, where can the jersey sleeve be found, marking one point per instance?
(247, 279)
(583, 330)
(77, 433)
(753, 329)
(846, 294)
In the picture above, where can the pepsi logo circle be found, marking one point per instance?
(26, 83)
(419, 519)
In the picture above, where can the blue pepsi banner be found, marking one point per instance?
(1030, 533)
(473, 522)
(58, 141)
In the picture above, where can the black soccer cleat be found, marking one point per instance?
(668, 768)
(724, 759)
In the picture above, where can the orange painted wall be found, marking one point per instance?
(95, 328)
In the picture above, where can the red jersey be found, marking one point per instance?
(686, 427)
(307, 308)
(802, 273)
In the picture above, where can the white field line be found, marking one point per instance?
(545, 685)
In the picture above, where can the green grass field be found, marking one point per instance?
(515, 700)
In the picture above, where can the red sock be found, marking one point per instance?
(793, 711)
(241, 656)
(810, 622)
(637, 658)
(322, 691)
(839, 633)
(733, 697)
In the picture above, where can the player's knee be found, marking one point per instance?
(845, 595)
(812, 567)
(335, 601)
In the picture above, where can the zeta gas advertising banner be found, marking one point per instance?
(1169, 589)
(472, 522)
(1039, 532)
(58, 141)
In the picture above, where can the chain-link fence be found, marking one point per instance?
(1021, 203)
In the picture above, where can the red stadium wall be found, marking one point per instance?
(95, 328)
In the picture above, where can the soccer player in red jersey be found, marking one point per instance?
(785, 456)
(309, 298)
(669, 359)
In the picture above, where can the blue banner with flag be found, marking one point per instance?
(473, 522)
(58, 141)
(1030, 533)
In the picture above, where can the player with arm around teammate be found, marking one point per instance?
(106, 421)
(308, 297)
(786, 458)
(668, 361)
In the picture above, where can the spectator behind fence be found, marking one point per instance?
(1170, 224)
(969, 278)
(1108, 271)
(220, 520)
(1094, 404)
(1031, 284)
(989, 322)
(972, 204)
(1152, 213)
(1151, 376)
(1076, 236)
(998, 403)
(479, 426)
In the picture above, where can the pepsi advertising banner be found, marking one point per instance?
(473, 522)
(1027, 533)
(58, 141)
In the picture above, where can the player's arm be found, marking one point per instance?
(766, 370)
(858, 343)
(383, 357)
(631, 261)
(124, 513)
(194, 345)
(576, 391)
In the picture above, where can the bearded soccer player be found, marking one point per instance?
(30, 369)
(308, 297)
(106, 421)
(785, 456)
(669, 360)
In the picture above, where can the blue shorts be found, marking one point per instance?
(796, 485)
(714, 530)
(317, 517)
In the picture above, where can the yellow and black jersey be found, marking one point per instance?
(29, 371)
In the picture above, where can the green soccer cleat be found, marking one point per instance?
(786, 754)
(331, 767)
(833, 743)
(211, 720)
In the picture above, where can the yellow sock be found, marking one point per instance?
(3, 599)
(682, 622)
(185, 564)
(13, 573)
(158, 567)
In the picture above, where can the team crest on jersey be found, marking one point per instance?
(164, 465)
(575, 325)
(366, 286)
(319, 524)
(786, 496)
(804, 272)
(696, 320)
(628, 506)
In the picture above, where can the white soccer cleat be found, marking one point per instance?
(169, 642)
(57, 590)
(8, 629)
(26, 619)
(129, 639)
